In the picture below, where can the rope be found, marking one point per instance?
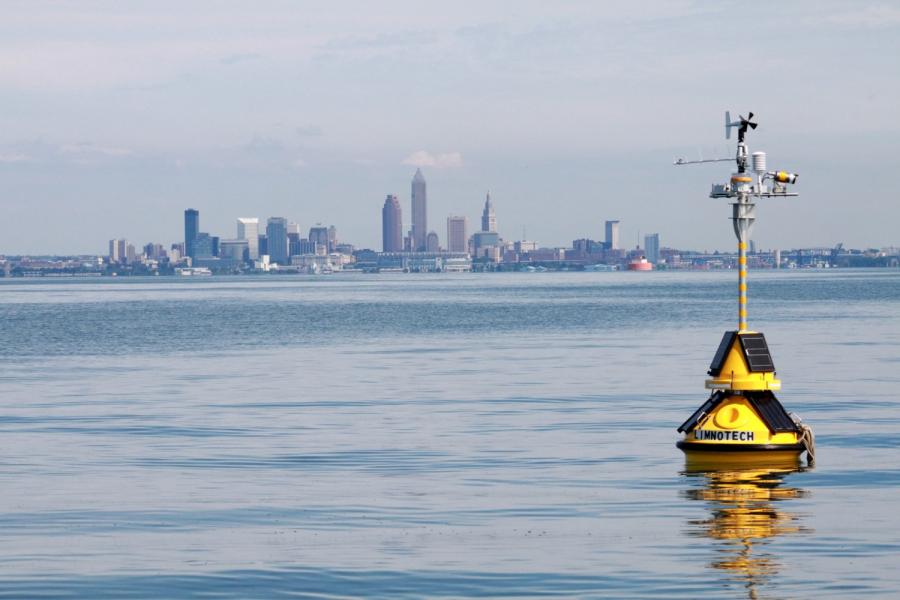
(807, 438)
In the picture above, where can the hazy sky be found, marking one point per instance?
(116, 116)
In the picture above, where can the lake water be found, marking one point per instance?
(437, 435)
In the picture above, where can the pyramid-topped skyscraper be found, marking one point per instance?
(419, 212)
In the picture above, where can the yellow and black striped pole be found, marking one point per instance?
(743, 216)
(742, 286)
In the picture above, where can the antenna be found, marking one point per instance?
(681, 161)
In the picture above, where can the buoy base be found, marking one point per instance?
(688, 446)
(751, 425)
(742, 416)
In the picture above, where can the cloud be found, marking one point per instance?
(299, 163)
(881, 15)
(422, 158)
(14, 157)
(233, 59)
(308, 131)
(93, 149)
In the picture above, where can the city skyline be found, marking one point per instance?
(581, 106)
(286, 233)
(484, 250)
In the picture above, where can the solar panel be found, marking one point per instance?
(701, 412)
(771, 411)
(757, 352)
(719, 359)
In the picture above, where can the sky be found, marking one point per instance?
(116, 116)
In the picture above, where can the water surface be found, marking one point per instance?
(437, 435)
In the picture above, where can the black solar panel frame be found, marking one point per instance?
(772, 412)
(707, 407)
(756, 351)
(718, 360)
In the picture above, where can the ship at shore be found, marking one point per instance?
(640, 264)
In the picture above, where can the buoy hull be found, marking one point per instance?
(742, 416)
(706, 447)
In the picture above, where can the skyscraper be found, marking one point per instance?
(419, 212)
(432, 242)
(203, 246)
(612, 235)
(651, 247)
(488, 218)
(457, 238)
(191, 229)
(391, 225)
(248, 229)
(117, 251)
(318, 235)
(276, 236)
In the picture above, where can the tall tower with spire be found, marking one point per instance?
(488, 218)
(419, 212)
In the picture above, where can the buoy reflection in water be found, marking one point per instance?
(748, 510)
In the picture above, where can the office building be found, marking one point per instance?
(248, 229)
(277, 242)
(651, 247)
(523, 246)
(457, 234)
(203, 246)
(191, 229)
(319, 235)
(154, 251)
(263, 244)
(484, 243)
(117, 251)
(432, 242)
(391, 225)
(488, 218)
(419, 212)
(293, 243)
(235, 250)
(307, 247)
(612, 235)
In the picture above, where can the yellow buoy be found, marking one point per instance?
(742, 415)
